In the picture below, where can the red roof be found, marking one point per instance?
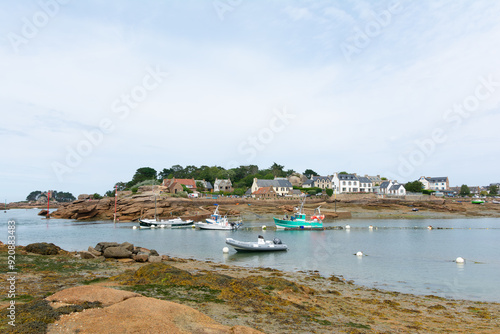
(187, 182)
(262, 191)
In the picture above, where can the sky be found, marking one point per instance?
(90, 91)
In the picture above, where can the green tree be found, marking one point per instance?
(493, 190)
(277, 170)
(200, 186)
(329, 192)
(61, 196)
(34, 195)
(143, 174)
(415, 186)
(344, 172)
(96, 196)
(309, 172)
(464, 190)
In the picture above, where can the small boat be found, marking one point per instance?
(298, 220)
(495, 202)
(414, 209)
(218, 222)
(477, 201)
(175, 222)
(260, 246)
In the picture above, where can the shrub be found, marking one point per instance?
(134, 190)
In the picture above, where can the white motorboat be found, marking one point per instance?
(260, 246)
(175, 222)
(218, 222)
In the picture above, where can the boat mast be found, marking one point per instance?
(153, 189)
(48, 204)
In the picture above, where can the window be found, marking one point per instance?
(343, 182)
(349, 183)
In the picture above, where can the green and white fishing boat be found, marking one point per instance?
(477, 201)
(299, 220)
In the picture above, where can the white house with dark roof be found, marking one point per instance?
(308, 183)
(345, 183)
(435, 183)
(365, 184)
(397, 189)
(281, 186)
(385, 187)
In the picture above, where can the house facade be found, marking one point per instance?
(224, 185)
(323, 182)
(435, 183)
(265, 192)
(281, 186)
(365, 184)
(397, 189)
(345, 183)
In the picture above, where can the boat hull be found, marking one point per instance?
(243, 246)
(149, 223)
(283, 223)
(216, 226)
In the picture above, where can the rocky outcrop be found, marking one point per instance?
(124, 251)
(127, 312)
(43, 248)
(130, 209)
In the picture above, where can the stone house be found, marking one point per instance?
(223, 185)
(435, 183)
(323, 182)
(281, 186)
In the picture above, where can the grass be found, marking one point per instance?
(356, 325)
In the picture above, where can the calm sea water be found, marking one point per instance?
(400, 255)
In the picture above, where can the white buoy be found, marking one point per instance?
(134, 227)
(264, 227)
(370, 227)
(162, 226)
(359, 254)
(460, 260)
(225, 250)
(347, 227)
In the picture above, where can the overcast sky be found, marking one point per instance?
(90, 91)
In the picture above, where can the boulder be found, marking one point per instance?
(128, 246)
(153, 253)
(43, 248)
(141, 315)
(100, 247)
(154, 259)
(92, 250)
(117, 253)
(141, 257)
(91, 293)
(87, 255)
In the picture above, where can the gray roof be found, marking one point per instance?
(363, 179)
(385, 184)
(274, 183)
(396, 186)
(348, 177)
(308, 182)
(249, 191)
(437, 179)
(326, 178)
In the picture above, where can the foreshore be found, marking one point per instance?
(265, 299)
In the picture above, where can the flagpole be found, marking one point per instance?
(48, 204)
(116, 196)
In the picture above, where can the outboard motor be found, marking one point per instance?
(277, 241)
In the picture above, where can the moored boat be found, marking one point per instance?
(260, 246)
(299, 220)
(175, 222)
(218, 222)
(477, 201)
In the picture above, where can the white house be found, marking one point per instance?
(281, 186)
(365, 184)
(435, 183)
(397, 189)
(345, 183)
(385, 187)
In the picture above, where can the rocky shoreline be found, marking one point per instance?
(131, 208)
(230, 298)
